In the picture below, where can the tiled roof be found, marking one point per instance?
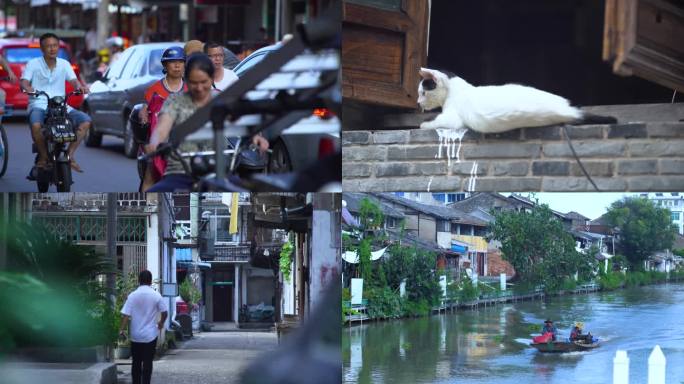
(353, 201)
(442, 212)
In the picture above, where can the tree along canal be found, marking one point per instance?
(489, 345)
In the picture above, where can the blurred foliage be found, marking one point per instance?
(285, 260)
(52, 292)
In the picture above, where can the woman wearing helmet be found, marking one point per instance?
(173, 61)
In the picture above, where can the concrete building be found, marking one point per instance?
(674, 201)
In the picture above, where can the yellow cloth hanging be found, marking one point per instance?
(233, 215)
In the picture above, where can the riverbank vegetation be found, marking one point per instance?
(538, 246)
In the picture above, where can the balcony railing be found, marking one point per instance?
(88, 228)
(129, 201)
(234, 253)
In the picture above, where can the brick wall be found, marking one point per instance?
(620, 157)
(497, 265)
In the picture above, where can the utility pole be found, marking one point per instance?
(102, 23)
(111, 248)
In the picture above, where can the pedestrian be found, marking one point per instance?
(223, 77)
(199, 74)
(193, 46)
(142, 308)
(91, 42)
(116, 48)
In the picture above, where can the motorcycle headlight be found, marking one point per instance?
(58, 99)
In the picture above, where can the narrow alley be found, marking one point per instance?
(209, 357)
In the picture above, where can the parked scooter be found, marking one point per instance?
(58, 131)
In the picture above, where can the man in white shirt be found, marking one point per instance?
(142, 308)
(223, 77)
(48, 73)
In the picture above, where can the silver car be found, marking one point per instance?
(122, 86)
(313, 136)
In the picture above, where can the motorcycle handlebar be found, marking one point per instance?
(162, 149)
(37, 93)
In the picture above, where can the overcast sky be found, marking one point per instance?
(591, 205)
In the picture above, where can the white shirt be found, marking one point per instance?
(44, 79)
(143, 305)
(229, 77)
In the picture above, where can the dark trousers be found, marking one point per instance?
(142, 354)
(173, 183)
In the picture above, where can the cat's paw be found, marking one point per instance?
(427, 125)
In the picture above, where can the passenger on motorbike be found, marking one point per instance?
(173, 61)
(179, 107)
(48, 73)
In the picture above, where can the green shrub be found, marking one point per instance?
(383, 302)
(569, 284)
(611, 280)
(416, 308)
(467, 291)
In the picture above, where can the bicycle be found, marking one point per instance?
(4, 143)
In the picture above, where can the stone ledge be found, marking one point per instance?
(59, 373)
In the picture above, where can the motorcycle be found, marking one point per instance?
(248, 161)
(58, 131)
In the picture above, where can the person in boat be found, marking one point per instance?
(576, 334)
(549, 328)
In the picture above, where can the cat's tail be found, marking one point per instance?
(590, 118)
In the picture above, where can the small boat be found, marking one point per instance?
(565, 346)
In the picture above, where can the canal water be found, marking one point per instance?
(490, 345)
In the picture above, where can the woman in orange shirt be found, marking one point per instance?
(173, 61)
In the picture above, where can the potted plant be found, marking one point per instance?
(191, 295)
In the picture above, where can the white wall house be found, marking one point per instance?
(674, 201)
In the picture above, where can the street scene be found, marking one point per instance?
(507, 287)
(85, 84)
(244, 284)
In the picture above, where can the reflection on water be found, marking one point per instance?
(489, 345)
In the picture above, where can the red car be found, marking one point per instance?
(18, 52)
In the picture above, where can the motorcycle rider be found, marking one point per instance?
(173, 61)
(179, 107)
(48, 73)
(11, 77)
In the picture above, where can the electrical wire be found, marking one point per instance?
(567, 137)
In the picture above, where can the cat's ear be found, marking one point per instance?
(437, 76)
(426, 73)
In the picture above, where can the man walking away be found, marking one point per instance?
(142, 307)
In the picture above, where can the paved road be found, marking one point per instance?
(210, 357)
(106, 169)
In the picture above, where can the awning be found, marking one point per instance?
(184, 258)
(459, 246)
(183, 255)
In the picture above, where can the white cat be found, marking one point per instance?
(493, 109)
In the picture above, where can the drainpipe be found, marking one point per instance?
(111, 248)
